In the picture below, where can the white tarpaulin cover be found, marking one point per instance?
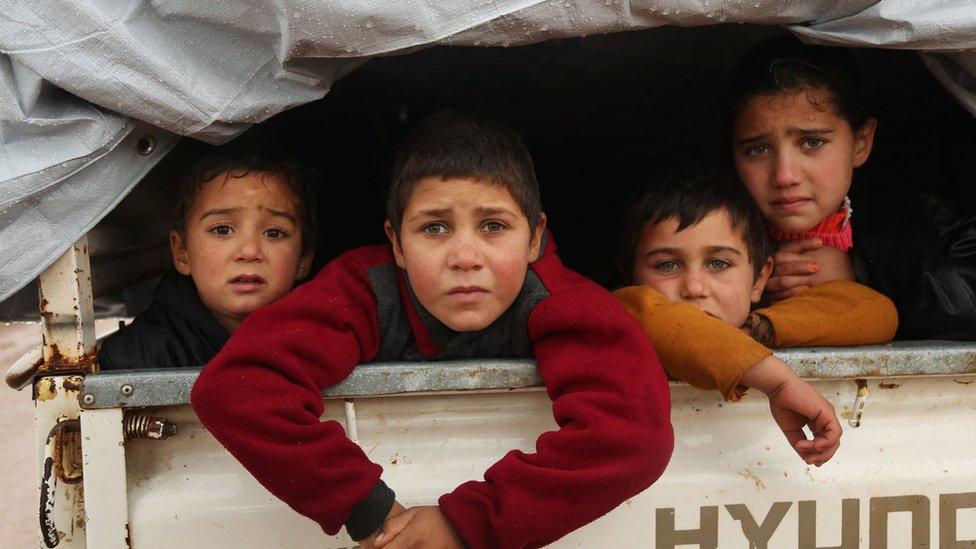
(81, 81)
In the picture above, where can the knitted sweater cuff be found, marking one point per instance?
(369, 514)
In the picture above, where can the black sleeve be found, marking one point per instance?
(923, 256)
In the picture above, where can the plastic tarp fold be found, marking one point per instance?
(80, 80)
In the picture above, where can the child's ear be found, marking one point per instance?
(760, 284)
(535, 246)
(177, 247)
(305, 264)
(395, 241)
(864, 141)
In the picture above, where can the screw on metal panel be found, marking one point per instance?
(88, 399)
(146, 145)
(127, 390)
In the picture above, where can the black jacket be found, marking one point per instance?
(921, 254)
(176, 330)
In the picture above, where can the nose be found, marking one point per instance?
(784, 170)
(693, 285)
(465, 254)
(249, 249)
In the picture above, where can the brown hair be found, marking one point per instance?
(688, 194)
(785, 64)
(238, 161)
(455, 144)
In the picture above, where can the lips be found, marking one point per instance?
(791, 203)
(247, 283)
(467, 294)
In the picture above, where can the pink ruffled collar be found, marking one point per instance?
(835, 230)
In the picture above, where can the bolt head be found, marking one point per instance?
(88, 399)
(127, 390)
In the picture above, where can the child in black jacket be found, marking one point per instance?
(244, 234)
(799, 128)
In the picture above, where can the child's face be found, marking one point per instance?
(243, 245)
(797, 158)
(465, 246)
(706, 265)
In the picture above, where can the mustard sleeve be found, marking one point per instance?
(693, 347)
(834, 313)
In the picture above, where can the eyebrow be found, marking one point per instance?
(721, 249)
(710, 249)
(225, 211)
(496, 210)
(446, 212)
(656, 251)
(793, 130)
(437, 212)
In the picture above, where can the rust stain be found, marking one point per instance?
(78, 505)
(48, 531)
(747, 474)
(961, 382)
(58, 362)
(46, 389)
(889, 385)
(20, 379)
(73, 383)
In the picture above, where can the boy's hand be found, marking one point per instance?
(369, 543)
(802, 264)
(795, 404)
(424, 526)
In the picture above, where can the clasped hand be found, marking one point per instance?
(420, 527)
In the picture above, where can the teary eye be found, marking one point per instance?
(221, 230)
(434, 228)
(493, 227)
(275, 233)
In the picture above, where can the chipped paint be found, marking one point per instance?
(56, 361)
(860, 401)
(46, 389)
(49, 532)
(73, 383)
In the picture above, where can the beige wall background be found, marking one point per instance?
(18, 486)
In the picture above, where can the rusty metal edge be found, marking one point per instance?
(172, 387)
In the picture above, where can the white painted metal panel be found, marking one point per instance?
(915, 443)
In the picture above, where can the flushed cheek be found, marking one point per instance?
(667, 287)
(509, 274)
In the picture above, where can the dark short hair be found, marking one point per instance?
(457, 144)
(688, 194)
(785, 64)
(239, 161)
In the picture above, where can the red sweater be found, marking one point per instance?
(260, 397)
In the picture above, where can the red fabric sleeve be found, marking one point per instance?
(612, 403)
(260, 396)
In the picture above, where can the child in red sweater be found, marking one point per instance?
(470, 272)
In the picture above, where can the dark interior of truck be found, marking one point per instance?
(601, 115)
